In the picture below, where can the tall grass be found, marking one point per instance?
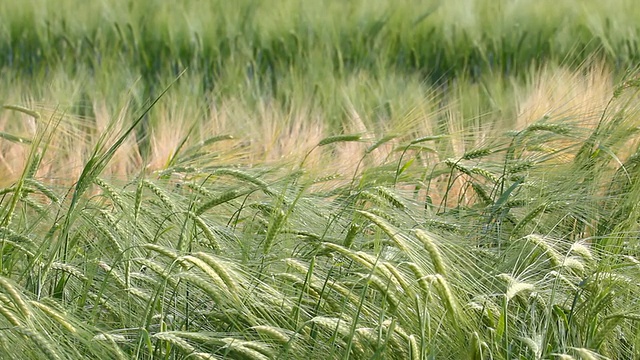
(248, 37)
(269, 74)
(318, 67)
(364, 180)
(519, 246)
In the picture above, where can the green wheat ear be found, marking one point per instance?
(432, 248)
(331, 140)
(14, 138)
(34, 114)
(339, 138)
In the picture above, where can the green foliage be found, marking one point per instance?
(256, 263)
(443, 225)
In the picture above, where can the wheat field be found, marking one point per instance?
(302, 180)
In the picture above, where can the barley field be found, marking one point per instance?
(296, 179)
